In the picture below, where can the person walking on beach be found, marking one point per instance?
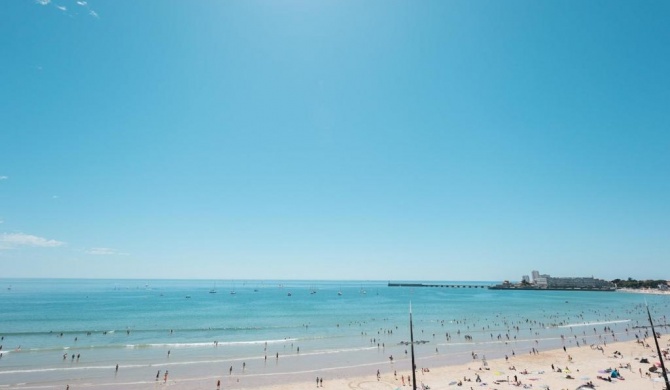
(165, 377)
(317, 381)
(158, 374)
(218, 384)
(321, 381)
(117, 369)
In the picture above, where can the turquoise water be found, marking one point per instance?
(135, 323)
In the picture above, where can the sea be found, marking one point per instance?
(250, 332)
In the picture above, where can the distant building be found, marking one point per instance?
(536, 275)
(548, 282)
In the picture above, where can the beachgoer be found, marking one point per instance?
(165, 377)
(218, 384)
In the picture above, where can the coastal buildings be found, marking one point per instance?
(548, 282)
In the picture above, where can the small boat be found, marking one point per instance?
(212, 291)
(289, 294)
(188, 297)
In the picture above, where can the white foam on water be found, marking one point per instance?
(593, 323)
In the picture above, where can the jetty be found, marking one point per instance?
(440, 285)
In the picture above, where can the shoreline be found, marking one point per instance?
(651, 291)
(578, 366)
(533, 369)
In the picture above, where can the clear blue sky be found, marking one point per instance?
(448, 140)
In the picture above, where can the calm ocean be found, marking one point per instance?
(314, 326)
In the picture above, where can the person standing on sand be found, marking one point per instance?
(321, 381)
(158, 374)
(165, 377)
(218, 384)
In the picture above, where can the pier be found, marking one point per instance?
(392, 284)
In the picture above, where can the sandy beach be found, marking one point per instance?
(555, 369)
(577, 366)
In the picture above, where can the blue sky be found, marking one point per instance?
(433, 140)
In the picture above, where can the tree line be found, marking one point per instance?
(632, 283)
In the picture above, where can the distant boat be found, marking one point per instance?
(212, 291)
(188, 297)
(289, 294)
(339, 293)
(232, 292)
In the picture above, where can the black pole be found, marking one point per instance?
(658, 349)
(411, 340)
